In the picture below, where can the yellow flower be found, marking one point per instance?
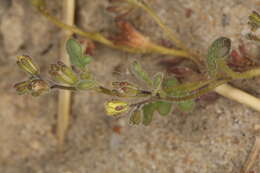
(115, 107)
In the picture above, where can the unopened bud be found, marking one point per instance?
(62, 74)
(120, 84)
(254, 21)
(35, 87)
(38, 87)
(136, 117)
(125, 88)
(26, 64)
(116, 107)
(22, 87)
(67, 71)
(86, 75)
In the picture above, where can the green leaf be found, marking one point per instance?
(168, 85)
(186, 106)
(140, 74)
(217, 51)
(76, 56)
(164, 108)
(148, 111)
(86, 59)
(157, 82)
(170, 82)
(74, 50)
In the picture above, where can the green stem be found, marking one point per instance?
(138, 104)
(198, 90)
(190, 86)
(63, 87)
(238, 75)
(196, 93)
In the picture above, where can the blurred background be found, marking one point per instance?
(215, 137)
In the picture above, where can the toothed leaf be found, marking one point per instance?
(76, 55)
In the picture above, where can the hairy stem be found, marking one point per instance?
(63, 87)
(95, 36)
(196, 93)
(238, 75)
(190, 86)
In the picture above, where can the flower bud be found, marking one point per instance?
(35, 87)
(22, 87)
(125, 89)
(116, 107)
(63, 74)
(254, 21)
(86, 75)
(26, 64)
(120, 84)
(38, 87)
(128, 91)
(136, 117)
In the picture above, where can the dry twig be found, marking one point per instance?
(252, 156)
(239, 96)
(65, 95)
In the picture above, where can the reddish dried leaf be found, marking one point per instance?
(90, 48)
(235, 59)
(239, 62)
(129, 36)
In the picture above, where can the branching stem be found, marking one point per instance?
(95, 36)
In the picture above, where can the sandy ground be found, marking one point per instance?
(212, 139)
